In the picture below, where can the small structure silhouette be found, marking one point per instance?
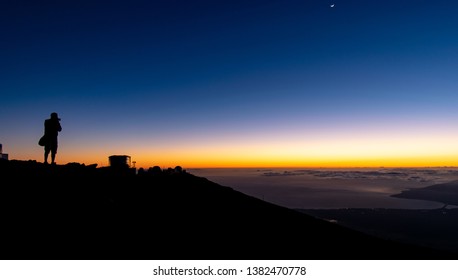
(121, 164)
(2, 155)
(120, 161)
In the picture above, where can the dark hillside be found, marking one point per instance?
(434, 228)
(83, 212)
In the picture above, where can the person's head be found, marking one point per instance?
(54, 116)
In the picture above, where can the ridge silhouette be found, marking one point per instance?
(75, 211)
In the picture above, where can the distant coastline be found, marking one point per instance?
(446, 193)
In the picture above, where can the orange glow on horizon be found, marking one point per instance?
(245, 161)
(343, 152)
(240, 161)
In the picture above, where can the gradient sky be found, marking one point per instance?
(232, 83)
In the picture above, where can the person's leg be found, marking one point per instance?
(53, 158)
(47, 150)
(53, 153)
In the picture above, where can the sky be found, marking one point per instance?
(229, 83)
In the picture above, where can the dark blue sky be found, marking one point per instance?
(146, 77)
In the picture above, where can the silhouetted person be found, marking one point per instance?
(52, 129)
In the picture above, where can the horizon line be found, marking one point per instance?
(266, 167)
